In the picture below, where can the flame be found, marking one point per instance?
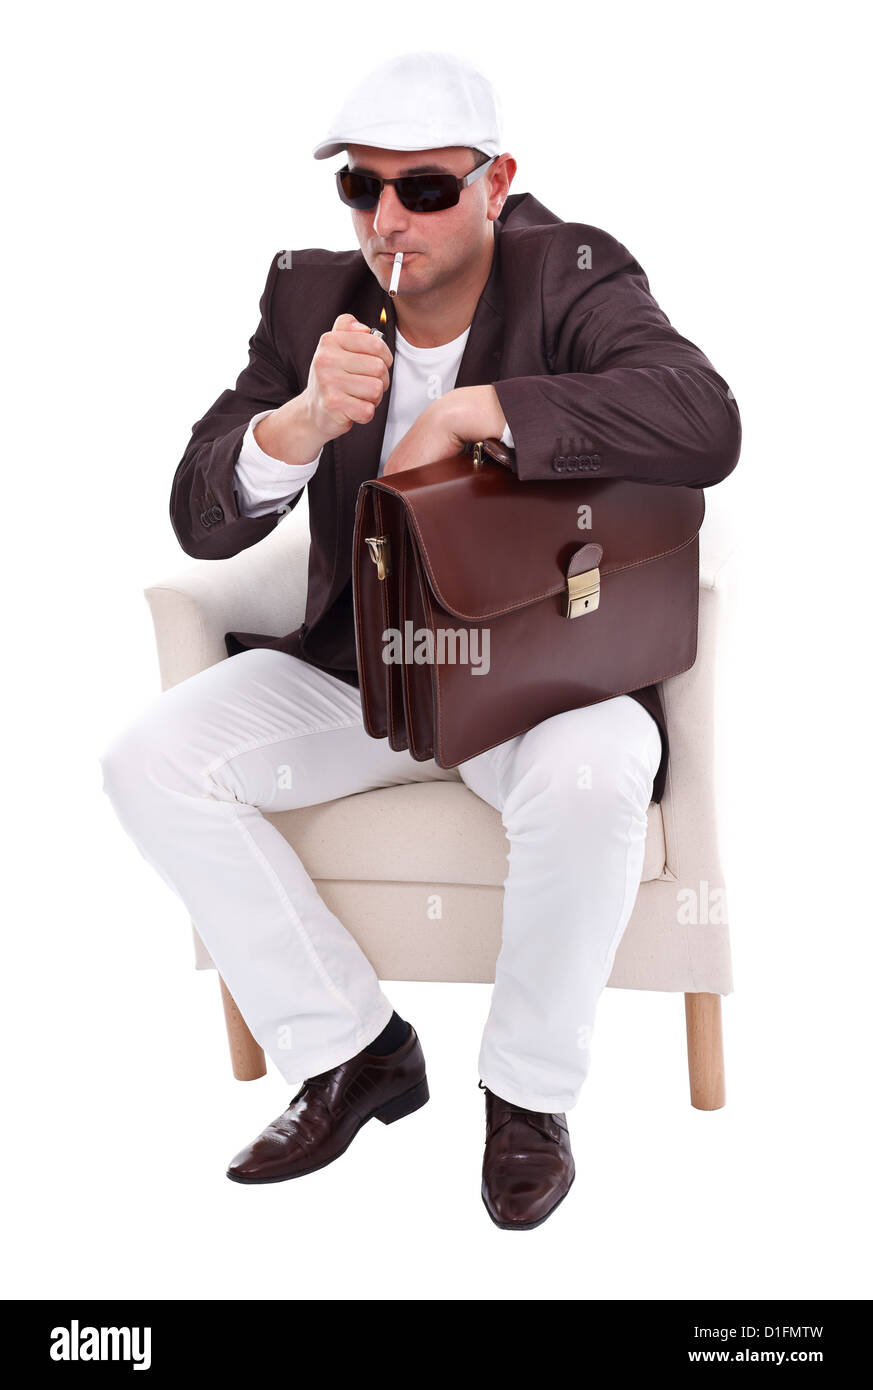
(383, 317)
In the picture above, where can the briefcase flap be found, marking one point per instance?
(490, 543)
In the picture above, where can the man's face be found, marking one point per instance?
(437, 246)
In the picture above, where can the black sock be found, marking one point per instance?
(393, 1035)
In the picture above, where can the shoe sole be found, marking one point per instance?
(525, 1225)
(396, 1109)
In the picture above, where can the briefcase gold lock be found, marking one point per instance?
(380, 554)
(583, 593)
(583, 586)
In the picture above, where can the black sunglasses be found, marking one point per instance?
(417, 192)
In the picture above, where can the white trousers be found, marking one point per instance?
(189, 781)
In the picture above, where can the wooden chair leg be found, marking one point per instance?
(246, 1055)
(705, 1050)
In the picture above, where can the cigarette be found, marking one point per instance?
(395, 274)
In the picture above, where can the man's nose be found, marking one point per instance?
(391, 215)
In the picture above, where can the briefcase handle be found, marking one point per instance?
(494, 449)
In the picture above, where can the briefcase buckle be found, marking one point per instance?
(380, 554)
(583, 580)
(583, 593)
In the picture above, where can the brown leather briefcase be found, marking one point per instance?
(485, 604)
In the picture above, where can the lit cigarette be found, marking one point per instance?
(395, 274)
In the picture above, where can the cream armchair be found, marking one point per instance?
(376, 856)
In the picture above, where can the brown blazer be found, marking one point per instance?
(591, 376)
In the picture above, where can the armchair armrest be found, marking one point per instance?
(689, 808)
(263, 589)
(718, 539)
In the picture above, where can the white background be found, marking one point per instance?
(157, 157)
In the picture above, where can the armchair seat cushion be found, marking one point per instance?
(420, 832)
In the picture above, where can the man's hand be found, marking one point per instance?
(459, 417)
(347, 379)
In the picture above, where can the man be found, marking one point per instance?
(511, 324)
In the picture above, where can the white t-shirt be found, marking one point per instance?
(419, 376)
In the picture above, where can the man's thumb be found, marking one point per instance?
(348, 321)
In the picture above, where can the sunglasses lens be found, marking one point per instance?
(418, 193)
(358, 190)
(428, 192)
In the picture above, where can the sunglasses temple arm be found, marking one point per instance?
(477, 173)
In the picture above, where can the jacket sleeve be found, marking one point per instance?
(205, 506)
(626, 396)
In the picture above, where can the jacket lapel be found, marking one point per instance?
(480, 364)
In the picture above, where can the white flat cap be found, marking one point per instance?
(418, 101)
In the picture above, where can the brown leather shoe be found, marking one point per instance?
(528, 1168)
(329, 1109)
